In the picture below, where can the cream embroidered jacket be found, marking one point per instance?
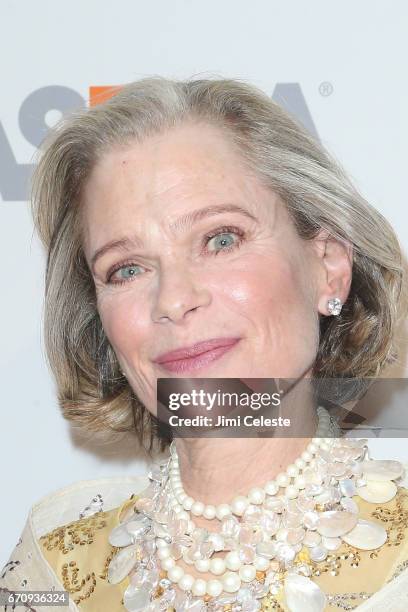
(64, 546)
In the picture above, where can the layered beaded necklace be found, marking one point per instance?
(269, 537)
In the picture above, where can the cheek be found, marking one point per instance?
(270, 284)
(125, 324)
(276, 297)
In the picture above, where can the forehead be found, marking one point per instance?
(189, 157)
(163, 177)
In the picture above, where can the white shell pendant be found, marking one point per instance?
(136, 599)
(303, 595)
(384, 469)
(347, 487)
(334, 523)
(366, 535)
(122, 563)
(331, 543)
(137, 527)
(349, 504)
(378, 492)
(119, 536)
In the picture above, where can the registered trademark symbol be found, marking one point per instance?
(325, 88)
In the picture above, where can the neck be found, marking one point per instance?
(215, 470)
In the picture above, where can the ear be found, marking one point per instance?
(334, 258)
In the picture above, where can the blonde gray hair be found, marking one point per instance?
(316, 190)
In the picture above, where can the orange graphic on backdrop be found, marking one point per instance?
(101, 93)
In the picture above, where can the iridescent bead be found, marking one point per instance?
(286, 553)
(267, 550)
(318, 553)
(331, 543)
(199, 588)
(222, 510)
(187, 503)
(291, 491)
(271, 487)
(295, 536)
(247, 573)
(239, 504)
(197, 508)
(175, 573)
(312, 538)
(218, 541)
(135, 599)
(214, 587)
(300, 482)
(209, 512)
(186, 582)
(231, 582)
(310, 519)
(282, 479)
(217, 566)
(261, 563)
(292, 470)
(335, 523)
(300, 463)
(168, 563)
(233, 561)
(256, 495)
(202, 565)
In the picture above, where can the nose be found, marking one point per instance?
(178, 294)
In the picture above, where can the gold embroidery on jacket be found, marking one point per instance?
(270, 603)
(72, 584)
(108, 559)
(80, 532)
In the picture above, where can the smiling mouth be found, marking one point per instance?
(199, 361)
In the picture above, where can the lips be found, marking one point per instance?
(195, 356)
(190, 352)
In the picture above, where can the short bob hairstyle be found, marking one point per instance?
(92, 392)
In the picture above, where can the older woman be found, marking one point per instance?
(194, 229)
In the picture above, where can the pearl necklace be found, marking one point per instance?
(270, 538)
(326, 428)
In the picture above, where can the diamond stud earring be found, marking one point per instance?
(334, 306)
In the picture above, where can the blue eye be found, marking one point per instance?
(224, 240)
(129, 272)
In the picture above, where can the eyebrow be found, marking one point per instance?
(182, 223)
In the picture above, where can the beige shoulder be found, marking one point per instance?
(60, 527)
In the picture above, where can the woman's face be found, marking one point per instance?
(235, 270)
